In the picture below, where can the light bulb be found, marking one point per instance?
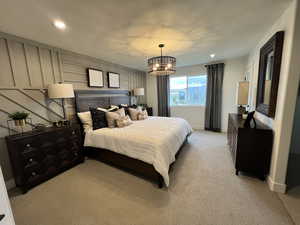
(169, 65)
(154, 68)
(157, 65)
(59, 24)
(166, 68)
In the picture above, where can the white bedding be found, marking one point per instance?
(155, 140)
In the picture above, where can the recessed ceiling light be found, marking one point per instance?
(59, 24)
(212, 55)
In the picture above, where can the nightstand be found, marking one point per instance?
(149, 111)
(37, 156)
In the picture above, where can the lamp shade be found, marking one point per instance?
(243, 92)
(60, 91)
(138, 92)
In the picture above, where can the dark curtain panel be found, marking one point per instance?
(213, 108)
(163, 96)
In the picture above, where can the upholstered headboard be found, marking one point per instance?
(84, 99)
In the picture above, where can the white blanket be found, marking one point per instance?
(155, 140)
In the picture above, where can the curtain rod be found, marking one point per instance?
(211, 64)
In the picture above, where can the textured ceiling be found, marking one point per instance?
(128, 31)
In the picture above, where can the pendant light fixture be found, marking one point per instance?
(162, 65)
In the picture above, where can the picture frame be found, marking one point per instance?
(113, 80)
(95, 77)
(269, 75)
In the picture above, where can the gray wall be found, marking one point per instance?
(27, 67)
(295, 141)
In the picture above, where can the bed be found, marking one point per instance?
(146, 148)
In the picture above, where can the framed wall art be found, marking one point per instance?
(113, 80)
(95, 78)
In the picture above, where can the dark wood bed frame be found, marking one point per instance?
(104, 98)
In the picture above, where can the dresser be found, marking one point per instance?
(250, 148)
(6, 216)
(40, 155)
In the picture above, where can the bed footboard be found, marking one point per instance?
(131, 165)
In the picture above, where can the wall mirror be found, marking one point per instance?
(268, 77)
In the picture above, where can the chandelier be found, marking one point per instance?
(162, 65)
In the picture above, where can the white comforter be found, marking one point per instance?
(155, 140)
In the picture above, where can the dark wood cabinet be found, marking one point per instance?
(251, 148)
(40, 155)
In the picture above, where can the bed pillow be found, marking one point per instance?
(111, 117)
(123, 121)
(134, 113)
(112, 108)
(143, 115)
(98, 118)
(126, 108)
(121, 112)
(86, 120)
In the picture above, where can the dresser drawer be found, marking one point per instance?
(68, 133)
(33, 172)
(75, 155)
(25, 145)
(74, 133)
(51, 164)
(70, 159)
(48, 149)
(31, 157)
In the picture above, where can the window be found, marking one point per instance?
(188, 90)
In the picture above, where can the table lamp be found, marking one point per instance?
(138, 92)
(61, 91)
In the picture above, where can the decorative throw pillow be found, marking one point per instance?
(111, 118)
(126, 108)
(121, 112)
(134, 113)
(86, 120)
(112, 108)
(143, 115)
(140, 108)
(99, 118)
(123, 121)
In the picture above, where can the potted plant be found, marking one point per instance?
(19, 118)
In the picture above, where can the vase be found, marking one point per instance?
(20, 123)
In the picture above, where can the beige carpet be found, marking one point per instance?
(291, 201)
(203, 191)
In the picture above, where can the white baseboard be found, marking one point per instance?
(277, 187)
(10, 184)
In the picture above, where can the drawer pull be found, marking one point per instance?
(75, 153)
(30, 160)
(27, 145)
(33, 173)
(73, 132)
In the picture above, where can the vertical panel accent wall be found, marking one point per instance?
(27, 67)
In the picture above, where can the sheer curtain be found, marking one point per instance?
(213, 109)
